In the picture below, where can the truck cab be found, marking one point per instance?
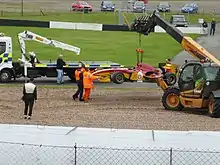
(191, 72)
(5, 57)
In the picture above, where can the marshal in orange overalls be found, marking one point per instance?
(88, 83)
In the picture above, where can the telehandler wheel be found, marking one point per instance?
(118, 78)
(170, 79)
(5, 76)
(214, 106)
(170, 99)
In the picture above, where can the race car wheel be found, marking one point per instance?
(170, 79)
(118, 77)
(214, 106)
(170, 99)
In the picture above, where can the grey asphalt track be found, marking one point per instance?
(211, 43)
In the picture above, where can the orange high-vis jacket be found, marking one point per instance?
(77, 74)
(88, 80)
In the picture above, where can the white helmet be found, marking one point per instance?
(32, 54)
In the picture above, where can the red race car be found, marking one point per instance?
(151, 74)
(81, 6)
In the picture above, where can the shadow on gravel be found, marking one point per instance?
(202, 112)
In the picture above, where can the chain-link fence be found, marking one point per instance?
(23, 154)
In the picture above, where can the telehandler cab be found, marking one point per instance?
(198, 81)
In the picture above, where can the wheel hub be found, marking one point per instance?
(173, 100)
(171, 79)
(119, 78)
(4, 76)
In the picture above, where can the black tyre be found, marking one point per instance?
(170, 99)
(118, 78)
(5, 76)
(170, 79)
(214, 106)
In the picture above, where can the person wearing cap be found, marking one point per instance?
(60, 64)
(79, 81)
(29, 96)
(88, 79)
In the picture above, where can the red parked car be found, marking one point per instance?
(81, 5)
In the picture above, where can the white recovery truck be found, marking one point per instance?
(10, 69)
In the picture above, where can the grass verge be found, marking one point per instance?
(98, 46)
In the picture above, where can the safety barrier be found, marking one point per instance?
(87, 26)
(76, 26)
(36, 144)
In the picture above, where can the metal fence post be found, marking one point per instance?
(22, 7)
(75, 148)
(171, 156)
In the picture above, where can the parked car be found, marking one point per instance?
(107, 6)
(131, 2)
(190, 8)
(139, 7)
(163, 7)
(178, 21)
(81, 6)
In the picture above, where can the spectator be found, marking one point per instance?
(205, 27)
(213, 25)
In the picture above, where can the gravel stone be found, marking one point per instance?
(137, 109)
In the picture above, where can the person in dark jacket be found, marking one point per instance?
(205, 27)
(213, 25)
(79, 81)
(60, 64)
(29, 96)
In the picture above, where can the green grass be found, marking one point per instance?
(112, 46)
(96, 17)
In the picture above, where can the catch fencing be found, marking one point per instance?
(23, 154)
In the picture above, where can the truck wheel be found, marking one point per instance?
(170, 99)
(214, 106)
(170, 79)
(118, 78)
(5, 76)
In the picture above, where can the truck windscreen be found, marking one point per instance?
(2, 47)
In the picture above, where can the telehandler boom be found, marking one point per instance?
(146, 25)
(198, 81)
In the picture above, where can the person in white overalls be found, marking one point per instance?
(140, 76)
